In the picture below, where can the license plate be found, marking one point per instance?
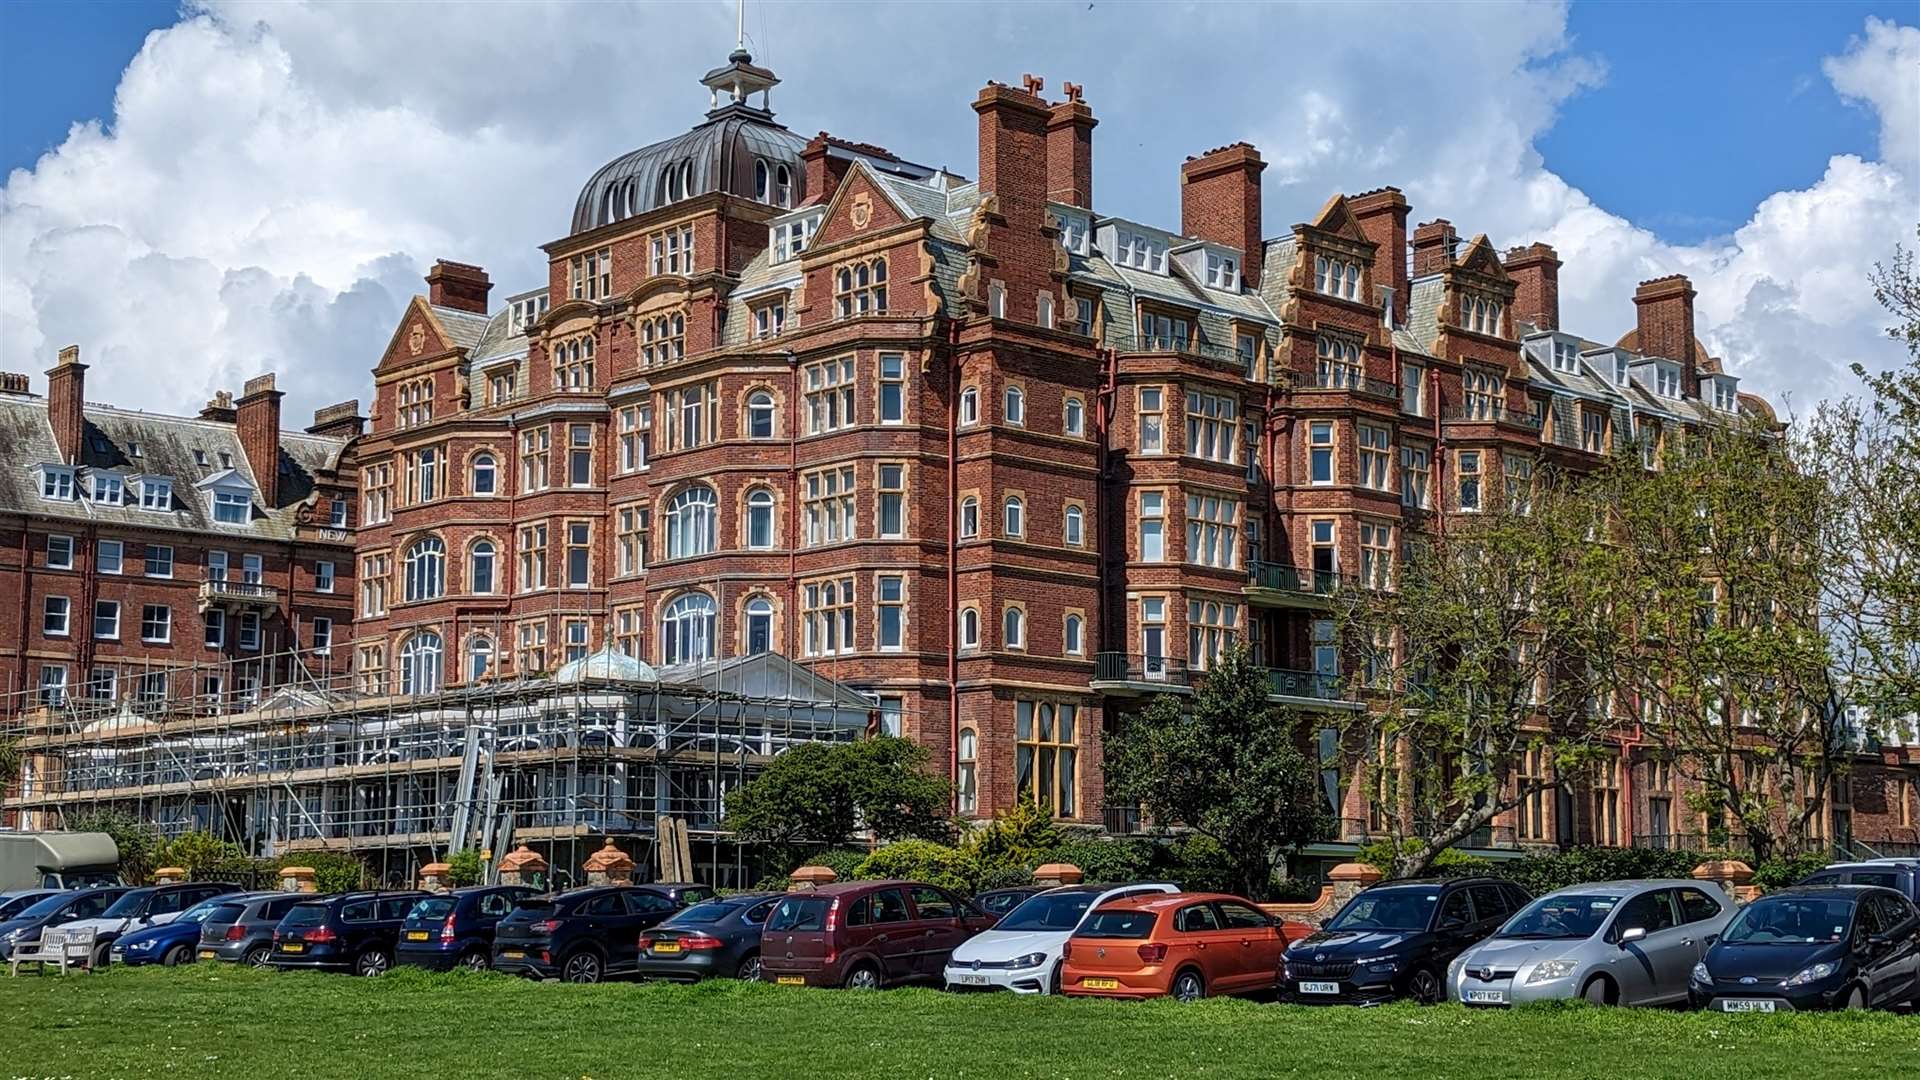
(790, 980)
(666, 947)
(1319, 987)
(511, 954)
(292, 947)
(970, 980)
(416, 935)
(1739, 1005)
(1101, 984)
(1486, 997)
(208, 954)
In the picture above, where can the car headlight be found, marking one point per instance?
(140, 946)
(1701, 975)
(14, 933)
(1549, 970)
(1032, 959)
(1811, 974)
(1453, 969)
(1380, 965)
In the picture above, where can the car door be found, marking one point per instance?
(1197, 926)
(937, 916)
(165, 906)
(393, 914)
(1258, 939)
(1490, 909)
(487, 914)
(1453, 929)
(896, 936)
(1658, 964)
(1900, 927)
(1700, 916)
(644, 909)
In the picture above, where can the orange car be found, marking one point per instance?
(1189, 945)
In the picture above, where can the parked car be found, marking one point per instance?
(1814, 947)
(997, 902)
(581, 936)
(684, 893)
(456, 929)
(1395, 940)
(53, 910)
(718, 938)
(1187, 945)
(169, 943)
(239, 930)
(136, 909)
(1900, 875)
(13, 903)
(1612, 943)
(866, 934)
(1021, 952)
(353, 931)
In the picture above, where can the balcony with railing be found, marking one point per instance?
(1128, 675)
(1491, 414)
(238, 594)
(1351, 380)
(1286, 585)
(1161, 344)
(1312, 686)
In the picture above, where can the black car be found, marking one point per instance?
(718, 938)
(55, 909)
(1395, 940)
(1814, 947)
(456, 930)
(1900, 875)
(997, 902)
(353, 931)
(582, 936)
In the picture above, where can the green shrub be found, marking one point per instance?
(1018, 839)
(1783, 870)
(136, 840)
(207, 858)
(1107, 860)
(923, 860)
(333, 871)
(1451, 862)
(1544, 872)
(463, 868)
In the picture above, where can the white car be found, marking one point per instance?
(141, 908)
(1022, 951)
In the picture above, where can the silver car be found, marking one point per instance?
(1612, 943)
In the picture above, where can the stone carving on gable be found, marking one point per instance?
(970, 281)
(981, 226)
(416, 340)
(860, 213)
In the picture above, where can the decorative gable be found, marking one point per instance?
(418, 335)
(861, 207)
(1480, 259)
(1336, 220)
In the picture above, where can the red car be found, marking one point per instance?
(864, 935)
(1187, 945)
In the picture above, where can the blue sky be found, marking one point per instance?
(260, 187)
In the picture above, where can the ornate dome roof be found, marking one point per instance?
(721, 154)
(608, 663)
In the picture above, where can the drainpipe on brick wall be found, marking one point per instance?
(793, 500)
(1103, 418)
(89, 593)
(1439, 453)
(953, 555)
(26, 586)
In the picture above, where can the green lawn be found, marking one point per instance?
(219, 1021)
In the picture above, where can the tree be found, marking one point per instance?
(1226, 763)
(137, 841)
(826, 793)
(463, 868)
(1478, 661)
(1713, 560)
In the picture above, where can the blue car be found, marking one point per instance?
(456, 930)
(170, 943)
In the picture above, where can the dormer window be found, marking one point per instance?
(1223, 271)
(231, 508)
(769, 319)
(1622, 370)
(1566, 356)
(1336, 277)
(790, 238)
(590, 276)
(1480, 315)
(1073, 233)
(772, 183)
(526, 311)
(56, 482)
(200, 457)
(1164, 332)
(1666, 381)
(156, 493)
(671, 252)
(1725, 397)
(1139, 251)
(108, 490)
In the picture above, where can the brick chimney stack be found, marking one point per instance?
(220, 409)
(342, 421)
(1382, 214)
(1535, 270)
(1665, 307)
(1433, 246)
(257, 422)
(1070, 151)
(460, 286)
(1220, 202)
(67, 403)
(1013, 169)
(822, 174)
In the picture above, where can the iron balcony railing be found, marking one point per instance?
(1141, 344)
(245, 592)
(1348, 379)
(1491, 414)
(1136, 668)
(1285, 682)
(1285, 577)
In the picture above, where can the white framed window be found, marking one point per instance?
(249, 637)
(56, 616)
(1223, 271)
(1073, 526)
(1213, 426)
(1413, 390)
(579, 555)
(214, 623)
(322, 636)
(969, 628)
(759, 626)
(1153, 636)
(1337, 362)
(633, 425)
(420, 660)
(969, 406)
(156, 623)
(997, 300)
(108, 489)
(53, 685)
(692, 523)
(481, 561)
(106, 620)
(109, 556)
(232, 508)
(1212, 628)
(159, 560)
(1486, 393)
(1416, 472)
(1014, 517)
(323, 576)
(760, 519)
(893, 388)
(1013, 628)
(59, 552)
(687, 629)
(580, 455)
(769, 320)
(969, 518)
(1320, 451)
(1043, 310)
(861, 288)
(1013, 406)
(1469, 479)
(891, 626)
(426, 569)
(1336, 277)
(1073, 416)
(827, 617)
(1376, 554)
(829, 506)
(1152, 413)
(1213, 531)
(1153, 526)
(629, 547)
(1376, 457)
(1566, 356)
(829, 395)
(890, 512)
(1073, 636)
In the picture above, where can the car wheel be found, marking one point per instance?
(581, 967)
(102, 955)
(476, 960)
(1598, 992)
(370, 963)
(864, 977)
(1189, 986)
(258, 956)
(1053, 983)
(1856, 999)
(749, 969)
(1424, 987)
(177, 955)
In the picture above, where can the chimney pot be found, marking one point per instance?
(461, 286)
(1434, 244)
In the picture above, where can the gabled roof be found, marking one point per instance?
(769, 676)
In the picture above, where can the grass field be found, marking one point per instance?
(220, 1021)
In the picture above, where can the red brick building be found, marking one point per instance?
(1003, 462)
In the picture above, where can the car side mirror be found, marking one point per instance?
(1632, 934)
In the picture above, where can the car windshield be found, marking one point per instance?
(1048, 911)
(796, 913)
(306, 915)
(1790, 920)
(705, 914)
(1119, 924)
(129, 905)
(1573, 916)
(1388, 909)
(225, 913)
(437, 907)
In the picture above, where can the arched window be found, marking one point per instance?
(686, 178)
(480, 562)
(479, 658)
(783, 186)
(420, 663)
(762, 180)
(970, 405)
(691, 523)
(632, 193)
(426, 472)
(1075, 416)
(969, 518)
(1073, 643)
(1014, 629)
(760, 518)
(426, 569)
(1043, 311)
(1072, 528)
(686, 630)
(1015, 518)
(969, 628)
(759, 625)
(760, 415)
(1014, 406)
(969, 780)
(483, 474)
